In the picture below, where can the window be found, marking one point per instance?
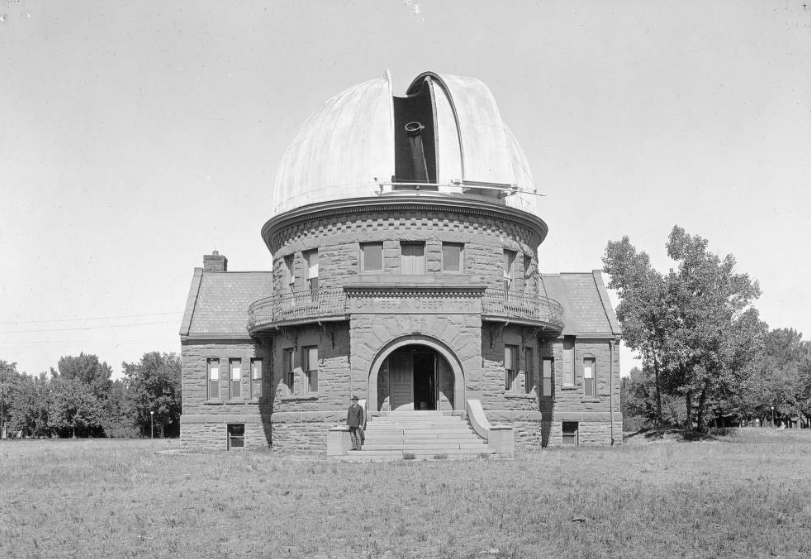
(452, 257)
(509, 259)
(589, 377)
(570, 432)
(236, 378)
(311, 256)
(288, 370)
(288, 273)
(236, 435)
(213, 379)
(568, 361)
(529, 370)
(371, 257)
(412, 258)
(510, 367)
(256, 378)
(309, 362)
(527, 273)
(546, 381)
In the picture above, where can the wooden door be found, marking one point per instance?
(401, 379)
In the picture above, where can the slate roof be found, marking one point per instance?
(586, 307)
(217, 305)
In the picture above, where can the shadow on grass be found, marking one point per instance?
(679, 434)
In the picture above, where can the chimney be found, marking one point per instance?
(215, 262)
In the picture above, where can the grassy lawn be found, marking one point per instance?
(746, 495)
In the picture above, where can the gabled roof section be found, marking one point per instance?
(587, 310)
(217, 305)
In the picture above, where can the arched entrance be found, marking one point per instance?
(415, 373)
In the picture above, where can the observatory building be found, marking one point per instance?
(404, 233)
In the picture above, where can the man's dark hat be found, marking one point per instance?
(354, 397)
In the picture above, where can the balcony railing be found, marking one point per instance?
(504, 304)
(310, 306)
(296, 308)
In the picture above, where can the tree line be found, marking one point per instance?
(80, 399)
(707, 357)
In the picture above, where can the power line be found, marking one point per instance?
(33, 344)
(90, 318)
(87, 327)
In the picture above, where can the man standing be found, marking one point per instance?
(354, 420)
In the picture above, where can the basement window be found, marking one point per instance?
(236, 436)
(570, 433)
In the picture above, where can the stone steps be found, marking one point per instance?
(419, 435)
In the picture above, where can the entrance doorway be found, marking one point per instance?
(413, 378)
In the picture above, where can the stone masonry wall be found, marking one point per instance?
(204, 420)
(212, 435)
(538, 420)
(338, 242)
(460, 333)
(301, 437)
(334, 388)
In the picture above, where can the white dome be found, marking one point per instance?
(346, 149)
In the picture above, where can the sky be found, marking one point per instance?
(135, 137)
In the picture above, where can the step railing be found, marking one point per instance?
(500, 438)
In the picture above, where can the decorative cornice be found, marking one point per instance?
(403, 203)
(389, 290)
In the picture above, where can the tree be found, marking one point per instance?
(695, 327)
(88, 370)
(718, 334)
(9, 382)
(643, 310)
(154, 385)
(79, 394)
(781, 377)
(120, 414)
(29, 406)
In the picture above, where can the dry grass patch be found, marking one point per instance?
(742, 496)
